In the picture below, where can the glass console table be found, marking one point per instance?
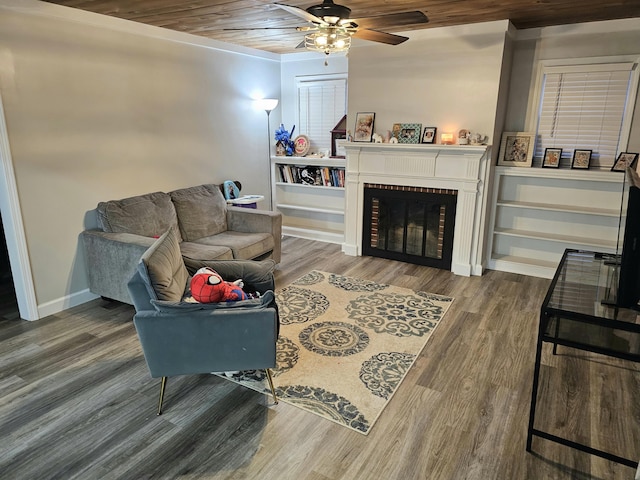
(579, 312)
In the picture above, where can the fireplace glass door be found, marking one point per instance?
(413, 226)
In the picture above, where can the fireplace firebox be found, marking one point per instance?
(409, 224)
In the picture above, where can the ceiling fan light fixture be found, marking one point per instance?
(331, 20)
(328, 40)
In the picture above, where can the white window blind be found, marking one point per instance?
(583, 107)
(321, 105)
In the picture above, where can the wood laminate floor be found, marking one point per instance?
(77, 402)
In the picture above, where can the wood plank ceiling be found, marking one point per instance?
(210, 18)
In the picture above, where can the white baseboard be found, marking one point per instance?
(309, 234)
(351, 250)
(63, 303)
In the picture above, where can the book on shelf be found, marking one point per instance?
(310, 175)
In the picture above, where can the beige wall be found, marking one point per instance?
(104, 110)
(443, 77)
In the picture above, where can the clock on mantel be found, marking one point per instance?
(339, 132)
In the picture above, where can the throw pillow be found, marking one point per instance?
(148, 215)
(163, 270)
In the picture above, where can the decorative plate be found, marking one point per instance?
(301, 144)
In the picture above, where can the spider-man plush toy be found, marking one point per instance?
(207, 286)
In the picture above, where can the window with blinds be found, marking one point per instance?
(321, 105)
(584, 107)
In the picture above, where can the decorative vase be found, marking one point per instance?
(280, 149)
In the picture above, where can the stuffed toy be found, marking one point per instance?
(207, 286)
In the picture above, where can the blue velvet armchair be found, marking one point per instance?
(181, 338)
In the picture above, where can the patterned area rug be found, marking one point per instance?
(346, 344)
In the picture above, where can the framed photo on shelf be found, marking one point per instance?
(409, 133)
(624, 160)
(429, 135)
(516, 149)
(581, 159)
(395, 132)
(363, 131)
(552, 157)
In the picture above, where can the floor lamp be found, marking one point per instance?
(268, 104)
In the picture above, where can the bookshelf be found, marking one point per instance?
(538, 213)
(309, 193)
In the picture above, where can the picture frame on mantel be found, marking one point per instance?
(363, 131)
(409, 133)
(516, 149)
(429, 135)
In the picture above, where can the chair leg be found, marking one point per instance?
(273, 390)
(163, 384)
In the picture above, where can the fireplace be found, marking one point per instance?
(410, 224)
(455, 168)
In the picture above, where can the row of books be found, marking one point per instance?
(307, 175)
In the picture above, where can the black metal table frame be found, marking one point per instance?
(546, 314)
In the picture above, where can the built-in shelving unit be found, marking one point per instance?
(309, 211)
(538, 213)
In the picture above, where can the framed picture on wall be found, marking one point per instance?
(363, 131)
(552, 157)
(429, 135)
(516, 149)
(581, 159)
(624, 160)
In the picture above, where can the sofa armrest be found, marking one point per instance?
(111, 260)
(249, 220)
(208, 340)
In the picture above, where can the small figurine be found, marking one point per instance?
(463, 137)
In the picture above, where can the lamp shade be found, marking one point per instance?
(267, 104)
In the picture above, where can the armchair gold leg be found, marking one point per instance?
(273, 390)
(163, 384)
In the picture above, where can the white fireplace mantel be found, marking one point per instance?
(455, 167)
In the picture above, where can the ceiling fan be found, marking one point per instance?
(331, 28)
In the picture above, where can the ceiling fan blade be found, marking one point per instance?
(300, 13)
(262, 28)
(391, 20)
(380, 37)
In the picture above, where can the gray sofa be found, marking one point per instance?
(208, 230)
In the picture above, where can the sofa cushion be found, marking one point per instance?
(195, 254)
(201, 210)
(245, 246)
(163, 270)
(148, 215)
